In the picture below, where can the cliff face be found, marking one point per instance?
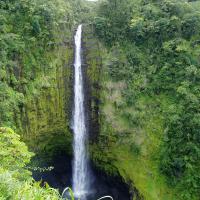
(38, 96)
(92, 72)
(39, 92)
(126, 138)
(45, 117)
(103, 139)
(36, 50)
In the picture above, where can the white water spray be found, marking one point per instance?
(80, 162)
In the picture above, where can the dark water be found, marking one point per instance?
(61, 177)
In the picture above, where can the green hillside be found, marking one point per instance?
(150, 98)
(142, 74)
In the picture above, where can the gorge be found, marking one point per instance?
(110, 107)
(87, 182)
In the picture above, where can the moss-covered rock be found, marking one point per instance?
(39, 97)
(102, 133)
(92, 72)
(46, 116)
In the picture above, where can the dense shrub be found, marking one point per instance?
(15, 180)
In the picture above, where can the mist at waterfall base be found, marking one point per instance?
(86, 182)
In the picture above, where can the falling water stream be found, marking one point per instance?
(80, 177)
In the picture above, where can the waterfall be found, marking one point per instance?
(80, 180)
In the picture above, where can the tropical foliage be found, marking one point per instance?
(32, 33)
(150, 90)
(15, 180)
(154, 48)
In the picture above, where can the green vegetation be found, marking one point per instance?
(15, 180)
(147, 91)
(36, 51)
(27, 33)
(150, 99)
